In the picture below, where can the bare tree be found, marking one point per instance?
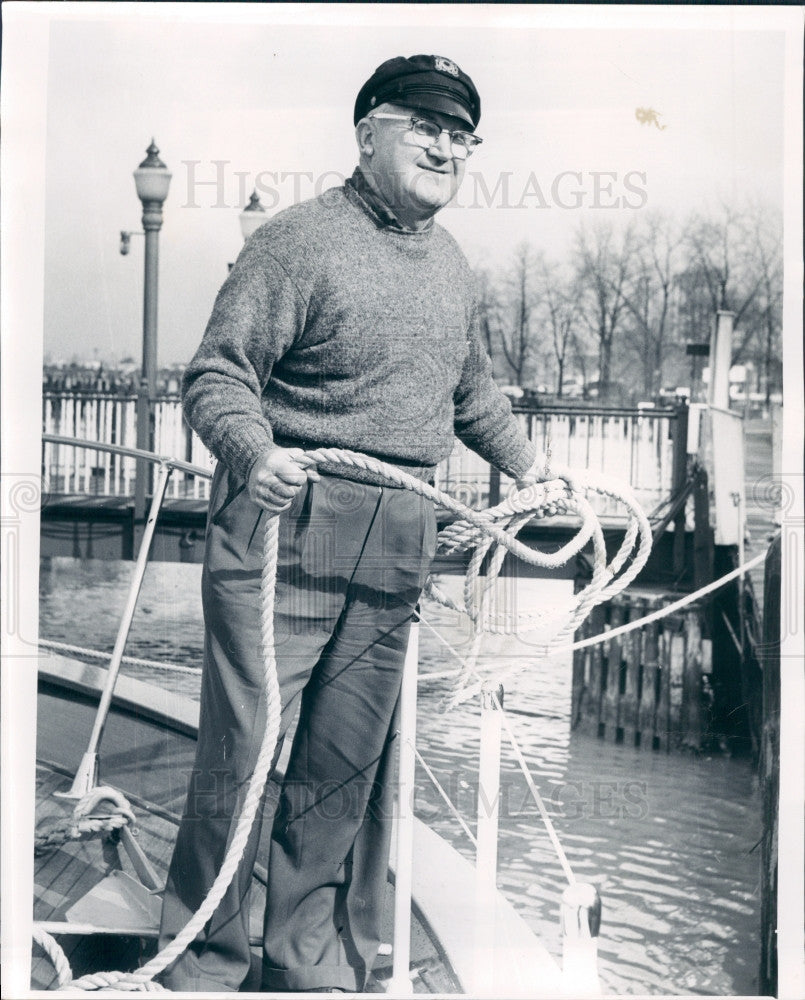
(603, 266)
(506, 315)
(558, 301)
(517, 335)
(486, 306)
(769, 258)
(721, 251)
(648, 296)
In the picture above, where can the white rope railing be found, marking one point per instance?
(132, 661)
(473, 529)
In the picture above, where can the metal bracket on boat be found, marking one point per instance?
(121, 902)
(140, 862)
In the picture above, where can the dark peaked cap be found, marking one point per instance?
(430, 83)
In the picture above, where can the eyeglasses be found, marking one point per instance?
(428, 133)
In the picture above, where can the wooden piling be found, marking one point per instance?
(596, 654)
(633, 659)
(649, 687)
(612, 653)
(662, 720)
(647, 714)
(577, 687)
(691, 719)
(677, 667)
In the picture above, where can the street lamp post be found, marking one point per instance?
(152, 180)
(252, 216)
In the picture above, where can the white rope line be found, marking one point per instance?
(133, 661)
(546, 819)
(450, 804)
(568, 490)
(55, 953)
(667, 610)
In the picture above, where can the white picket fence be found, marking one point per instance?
(637, 446)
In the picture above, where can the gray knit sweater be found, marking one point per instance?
(336, 328)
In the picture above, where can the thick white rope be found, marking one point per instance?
(134, 661)
(55, 953)
(514, 512)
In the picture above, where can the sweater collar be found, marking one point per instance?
(359, 191)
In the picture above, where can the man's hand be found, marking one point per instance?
(277, 476)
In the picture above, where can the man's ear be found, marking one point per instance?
(365, 136)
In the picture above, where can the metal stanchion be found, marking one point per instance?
(86, 775)
(400, 983)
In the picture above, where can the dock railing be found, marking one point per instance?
(642, 446)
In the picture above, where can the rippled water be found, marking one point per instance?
(667, 839)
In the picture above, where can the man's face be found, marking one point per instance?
(415, 181)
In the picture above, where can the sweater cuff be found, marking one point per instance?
(244, 444)
(523, 462)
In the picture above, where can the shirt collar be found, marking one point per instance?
(373, 204)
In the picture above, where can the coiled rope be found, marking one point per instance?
(560, 489)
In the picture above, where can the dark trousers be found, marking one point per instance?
(352, 561)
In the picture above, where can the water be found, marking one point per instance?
(667, 839)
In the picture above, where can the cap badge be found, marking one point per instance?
(445, 66)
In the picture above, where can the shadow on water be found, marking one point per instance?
(666, 838)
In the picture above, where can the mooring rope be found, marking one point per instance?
(448, 801)
(481, 530)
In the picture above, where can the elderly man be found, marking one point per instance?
(347, 321)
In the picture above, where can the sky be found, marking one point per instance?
(235, 104)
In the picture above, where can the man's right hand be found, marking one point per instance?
(277, 476)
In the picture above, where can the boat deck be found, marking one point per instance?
(148, 761)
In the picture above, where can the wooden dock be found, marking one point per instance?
(649, 687)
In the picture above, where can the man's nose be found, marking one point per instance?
(443, 147)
